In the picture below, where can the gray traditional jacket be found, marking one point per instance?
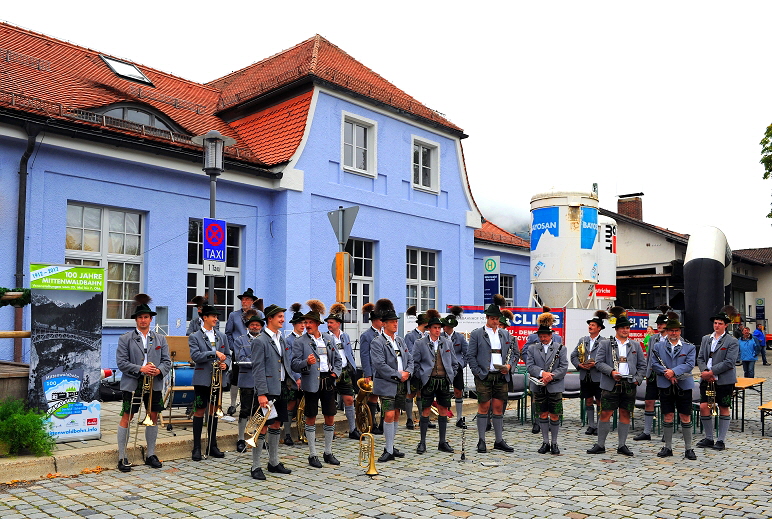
(424, 359)
(724, 358)
(605, 362)
(203, 355)
(130, 357)
(384, 363)
(478, 355)
(555, 361)
(309, 373)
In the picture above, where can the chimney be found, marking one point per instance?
(631, 206)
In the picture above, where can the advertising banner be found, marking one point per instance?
(66, 352)
(491, 275)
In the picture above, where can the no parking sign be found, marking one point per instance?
(214, 232)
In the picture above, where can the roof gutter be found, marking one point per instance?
(32, 131)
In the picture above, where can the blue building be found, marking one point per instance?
(113, 180)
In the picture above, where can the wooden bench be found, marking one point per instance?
(766, 410)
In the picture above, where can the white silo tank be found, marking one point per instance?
(606, 289)
(564, 260)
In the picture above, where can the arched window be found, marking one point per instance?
(140, 116)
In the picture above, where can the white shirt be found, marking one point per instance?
(394, 345)
(713, 347)
(672, 346)
(144, 342)
(592, 342)
(546, 348)
(321, 350)
(339, 347)
(624, 367)
(275, 339)
(493, 336)
(209, 334)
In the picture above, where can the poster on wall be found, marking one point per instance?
(66, 348)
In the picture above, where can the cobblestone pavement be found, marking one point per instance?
(732, 483)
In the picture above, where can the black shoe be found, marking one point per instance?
(288, 440)
(258, 474)
(397, 453)
(231, 410)
(481, 447)
(214, 452)
(433, 425)
(594, 431)
(554, 449)
(596, 449)
(705, 442)
(354, 435)
(461, 423)
(544, 449)
(590, 431)
(502, 446)
(196, 454)
(719, 445)
(665, 452)
(376, 431)
(385, 457)
(241, 446)
(536, 429)
(445, 447)
(330, 459)
(690, 455)
(410, 425)
(625, 451)
(314, 462)
(421, 448)
(766, 364)
(642, 436)
(279, 468)
(124, 465)
(154, 462)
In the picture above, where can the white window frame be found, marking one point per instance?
(420, 282)
(362, 286)
(434, 176)
(372, 144)
(232, 290)
(103, 257)
(507, 288)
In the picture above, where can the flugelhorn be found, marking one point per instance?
(300, 420)
(710, 394)
(364, 421)
(257, 422)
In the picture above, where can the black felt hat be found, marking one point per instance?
(209, 310)
(142, 308)
(297, 315)
(337, 312)
(385, 310)
(622, 321)
(452, 318)
(433, 317)
(544, 329)
(673, 324)
(248, 293)
(725, 314)
(598, 318)
(317, 309)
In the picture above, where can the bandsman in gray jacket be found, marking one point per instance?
(652, 391)
(716, 360)
(317, 360)
(141, 353)
(672, 361)
(392, 367)
(273, 378)
(209, 351)
(410, 338)
(547, 365)
(622, 365)
(435, 366)
(195, 323)
(298, 323)
(490, 356)
(589, 376)
(365, 338)
(242, 362)
(460, 346)
(235, 327)
(348, 375)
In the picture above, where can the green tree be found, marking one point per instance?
(766, 155)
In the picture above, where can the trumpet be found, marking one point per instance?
(364, 421)
(710, 393)
(257, 422)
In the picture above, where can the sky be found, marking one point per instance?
(666, 98)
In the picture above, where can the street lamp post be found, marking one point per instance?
(213, 143)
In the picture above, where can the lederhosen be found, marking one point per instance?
(203, 394)
(724, 392)
(344, 384)
(438, 386)
(623, 394)
(326, 395)
(674, 398)
(587, 387)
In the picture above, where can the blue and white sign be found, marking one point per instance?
(491, 274)
(215, 240)
(589, 227)
(546, 219)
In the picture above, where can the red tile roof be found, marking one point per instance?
(493, 233)
(317, 57)
(763, 255)
(275, 132)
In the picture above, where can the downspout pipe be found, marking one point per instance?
(21, 230)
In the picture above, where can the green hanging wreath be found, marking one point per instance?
(18, 302)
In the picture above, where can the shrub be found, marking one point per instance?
(22, 429)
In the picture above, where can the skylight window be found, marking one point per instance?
(126, 70)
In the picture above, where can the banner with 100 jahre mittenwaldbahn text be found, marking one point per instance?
(66, 349)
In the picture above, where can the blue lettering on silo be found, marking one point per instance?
(589, 227)
(544, 220)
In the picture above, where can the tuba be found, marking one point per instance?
(364, 422)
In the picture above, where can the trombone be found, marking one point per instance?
(147, 389)
(364, 421)
(215, 389)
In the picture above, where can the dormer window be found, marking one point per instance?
(126, 70)
(139, 116)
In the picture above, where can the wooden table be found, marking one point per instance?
(742, 385)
